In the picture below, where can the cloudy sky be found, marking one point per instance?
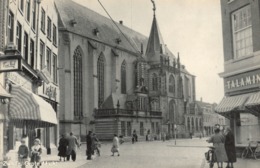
(190, 27)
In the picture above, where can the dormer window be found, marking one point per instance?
(96, 31)
(118, 40)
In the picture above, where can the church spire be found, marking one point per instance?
(154, 8)
(155, 46)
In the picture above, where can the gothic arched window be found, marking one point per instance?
(123, 78)
(101, 79)
(171, 84)
(78, 88)
(154, 82)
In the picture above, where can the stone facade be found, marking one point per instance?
(129, 83)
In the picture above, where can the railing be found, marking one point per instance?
(125, 112)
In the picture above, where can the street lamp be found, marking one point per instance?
(175, 129)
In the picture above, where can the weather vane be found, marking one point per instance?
(154, 8)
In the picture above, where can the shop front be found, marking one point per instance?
(4, 99)
(30, 115)
(242, 106)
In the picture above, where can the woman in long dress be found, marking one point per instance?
(218, 141)
(230, 147)
(115, 147)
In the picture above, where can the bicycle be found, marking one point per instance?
(252, 151)
(210, 156)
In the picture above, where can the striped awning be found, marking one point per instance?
(253, 100)
(26, 105)
(228, 104)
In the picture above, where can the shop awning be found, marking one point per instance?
(228, 104)
(253, 100)
(4, 93)
(26, 105)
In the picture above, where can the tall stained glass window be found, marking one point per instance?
(101, 79)
(78, 98)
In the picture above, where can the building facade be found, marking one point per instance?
(29, 30)
(118, 82)
(210, 118)
(241, 27)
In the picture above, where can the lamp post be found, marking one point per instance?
(175, 129)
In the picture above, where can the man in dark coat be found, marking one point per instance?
(230, 147)
(89, 145)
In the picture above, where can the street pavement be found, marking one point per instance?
(187, 153)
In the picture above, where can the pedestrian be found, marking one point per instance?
(95, 144)
(36, 153)
(230, 147)
(115, 146)
(72, 147)
(133, 139)
(163, 136)
(218, 141)
(89, 145)
(23, 153)
(63, 144)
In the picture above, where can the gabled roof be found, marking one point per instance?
(87, 20)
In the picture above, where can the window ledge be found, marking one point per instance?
(242, 58)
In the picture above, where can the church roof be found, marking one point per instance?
(86, 20)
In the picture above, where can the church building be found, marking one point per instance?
(116, 80)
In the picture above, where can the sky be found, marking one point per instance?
(191, 27)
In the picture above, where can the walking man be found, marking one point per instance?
(89, 145)
(72, 147)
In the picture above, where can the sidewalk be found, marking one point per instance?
(52, 161)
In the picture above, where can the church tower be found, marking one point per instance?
(155, 47)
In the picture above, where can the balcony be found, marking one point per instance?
(101, 113)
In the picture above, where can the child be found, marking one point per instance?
(36, 153)
(23, 154)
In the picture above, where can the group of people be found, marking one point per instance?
(68, 147)
(224, 144)
(35, 153)
(92, 145)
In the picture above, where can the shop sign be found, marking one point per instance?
(10, 63)
(50, 91)
(19, 80)
(242, 81)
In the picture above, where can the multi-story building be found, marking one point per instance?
(116, 80)
(210, 118)
(29, 29)
(241, 27)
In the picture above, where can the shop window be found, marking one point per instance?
(123, 130)
(129, 129)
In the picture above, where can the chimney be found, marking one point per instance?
(121, 22)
